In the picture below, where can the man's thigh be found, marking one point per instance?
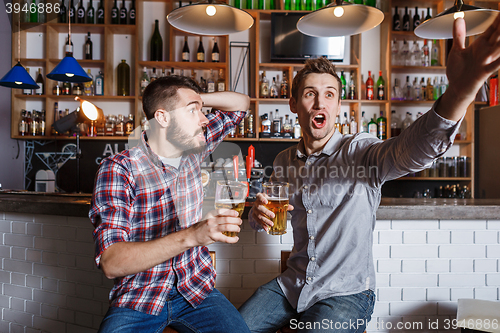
(267, 310)
(123, 320)
(346, 314)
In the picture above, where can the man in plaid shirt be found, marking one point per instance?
(146, 209)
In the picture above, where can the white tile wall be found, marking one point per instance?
(49, 281)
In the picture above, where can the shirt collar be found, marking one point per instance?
(331, 146)
(143, 144)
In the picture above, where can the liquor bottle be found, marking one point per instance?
(90, 16)
(35, 123)
(63, 15)
(211, 82)
(416, 19)
(56, 90)
(115, 17)
(123, 13)
(200, 53)
(405, 58)
(123, 79)
(428, 16)
(264, 86)
(380, 87)
(109, 127)
(153, 75)
(342, 80)
(23, 124)
(273, 90)
(436, 88)
(241, 129)
(284, 87)
(99, 84)
(345, 125)
(395, 56)
(34, 13)
(287, 125)
(120, 126)
(429, 90)
(266, 125)
(276, 123)
(27, 91)
(68, 48)
(80, 13)
(156, 47)
(395, 124)
(372, 126)
(215, 51)
(442, 86)
(423, 89)
(88, 87)
(100, 13)
(39, 82)
(352, 86)
(185, 50)
(249, 133)
(364, 124)
(338, 125)
(435, 54)
(66, 88)
(407, 121)
(297, 130)
(42, 124)
(129, 125)
(425, 55)
(131, 14)
(353, 126)
(72, 12)
(382, 126)
(407, 96)
(88, 47)
(396, 20)
(406, 20)
(417, 90)
(221, 82)
(144, 80)
(416, 55)
(369, 87)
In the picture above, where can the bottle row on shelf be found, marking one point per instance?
(32, 123)
(277, 127)
(445, 167)
(404, 55)
(95, 87)
(275, 89)
(405, 24)
(308, 5)
(454, 191)
(419, 91)
(91, 16)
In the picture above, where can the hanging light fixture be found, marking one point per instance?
(211, 18)
(477, 20)
(340, 19)
(69, 70)
(18, 77)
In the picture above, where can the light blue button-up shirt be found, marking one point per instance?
(336, 193)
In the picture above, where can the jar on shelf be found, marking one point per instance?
(120, 126)
(109, 128)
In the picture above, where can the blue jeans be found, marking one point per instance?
(267, 310)
(215, 314)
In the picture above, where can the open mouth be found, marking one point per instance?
(319, 121)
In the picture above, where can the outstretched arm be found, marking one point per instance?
(468, 68)
(226, 101)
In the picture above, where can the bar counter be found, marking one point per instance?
(78, 205)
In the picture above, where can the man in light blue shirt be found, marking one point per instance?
(336, 185)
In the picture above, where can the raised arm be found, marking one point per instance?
(468, 68)
(226, 101)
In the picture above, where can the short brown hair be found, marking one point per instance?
(318, 66)
(162, 93)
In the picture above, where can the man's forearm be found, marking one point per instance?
(226, 101)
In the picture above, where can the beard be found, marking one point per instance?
(180, 139)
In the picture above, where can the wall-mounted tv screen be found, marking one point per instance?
(289, 44)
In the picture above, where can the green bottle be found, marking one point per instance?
(288, 4)
(33, 12)
(382, 126)
(249, 4)
(372, 3)
(372, 126)
(237, 4)
(123, 82)
(309, 5)
(380, 87)
(342, 79)
(156, 46)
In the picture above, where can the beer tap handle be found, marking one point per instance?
(235, 167)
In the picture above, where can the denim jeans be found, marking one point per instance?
(215, 314)
(267, 310)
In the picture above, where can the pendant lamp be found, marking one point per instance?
(211, 18)
(340, 19)
(18, 77)
(69, 70)
(477, 20)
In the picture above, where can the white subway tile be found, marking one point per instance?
(69, 260)
(414, 251)
(287, 238)
(390, 237)
(224, 291)
(18, 253)
(389, 294)
(493, 251)
(256, 280)
(246, 237)
(486, 237)
(4, 276)
(80, 248)
(67, 288)
(83, 319)
(93, 277)
(79, 222)
(462, 251)
(381, 251)
(49, 271)
(414, 280)
(447, 308)
(415, 224)
(49, 311)
(240, 295)
(462, 265)
(18, 266)
(49, 284)
(17, 304)
(4, 250)
(462, 237)
(19, 317)
(381, 309)
(223, 251)
(17, 291)
(439, 237)
(462, 224)
(4, 302)
(241, 267)
(59, 232)
(486, 293)
(457, 293)
(35, 229)
(19, 227)
(438, 294)
(49, 258)
(33, 307)
(228, 281)
(388, 265)
(376, 237)
(382, 225)
(485, 265)
(415, 237)
(83, 305)
(264, 251)
(56, 245)
(437, 265)
(265, 238)
(414, 294)
(52, 298)
(267, 266)
(52, 219)
(34, 281)
(18, 279)
(493, 224)
(19, 217)
(413, 266)
(49, 324)
(382, 279)
(493, 279)
(222, 266)
(415, 308)
(65, 315)
(461, 280)
(18, 240)
(100, 293)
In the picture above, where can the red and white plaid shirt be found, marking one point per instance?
(137, 198)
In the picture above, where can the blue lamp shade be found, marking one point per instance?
(18, 78)
(69, 70)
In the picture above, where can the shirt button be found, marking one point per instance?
(305, 187)
(311, 237)
(309, 278)
(313, 258)
(309, 211)
(308, 163)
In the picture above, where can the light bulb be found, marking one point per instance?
(458, 14)
(338, 11)
(18, 82)
(70, 74)
(89, 110)
(210, 10)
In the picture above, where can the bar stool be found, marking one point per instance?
(171, 330)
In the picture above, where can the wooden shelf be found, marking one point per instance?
(71, 138)
(458, 179)
(409, 103)
(83, 62)
(282, 65)
(419, 69)
(183, 65)
(78, 28)
(30, 62)
(72, 97)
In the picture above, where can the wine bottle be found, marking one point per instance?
(380, 87)
(416, 19)
(123, 13)
(156, 46)
(72, 16)
(428, 16)
(185, 50)
(382, 126)
(406, 20)
(369, 87)
(215, 51)
(68, 48)
(90, 14)
(123, 81)
(115, 19)
(99, 84)
(39, 81)
(100, 13)
(63, 15)
(221, 82)
(343, 88)
(396, 20)
(80, 13)
(88, 47)
(131, 13)
(200, 54)
(33, 14)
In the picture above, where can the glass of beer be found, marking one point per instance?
(277, 197)
(231, 195)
